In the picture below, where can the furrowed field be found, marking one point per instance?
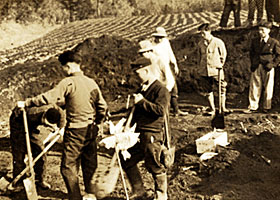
(108, 44)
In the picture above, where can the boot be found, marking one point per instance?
(136, 183)
(211, 103)
(223, 101)
(160, 186)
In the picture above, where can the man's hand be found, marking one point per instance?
(137, 97)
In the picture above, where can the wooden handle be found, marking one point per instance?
(28, 145)
(128, 121)
(166, 130)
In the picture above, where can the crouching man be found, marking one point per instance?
(41, 122)
(151, 103)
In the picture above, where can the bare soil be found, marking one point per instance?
(238, 172)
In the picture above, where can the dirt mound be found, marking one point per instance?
(239, 171)
(237, 66)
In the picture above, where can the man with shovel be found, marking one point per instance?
(212, 55)
(41, 122)
(151, 104)
(85, 111)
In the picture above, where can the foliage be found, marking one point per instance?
(63, 11)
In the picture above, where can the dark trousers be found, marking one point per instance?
(150, 152)
(174, 99)
(19, 151)
(236, 12)
(272, 8)
(80, 149)
(253, 4)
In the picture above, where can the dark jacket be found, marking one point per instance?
(267, 54)
(149, 112)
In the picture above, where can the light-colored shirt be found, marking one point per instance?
(165, 52)
(162, 72)
(212, 55)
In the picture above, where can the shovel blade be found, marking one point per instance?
(4, 184)
(30, 188)
(218, 121)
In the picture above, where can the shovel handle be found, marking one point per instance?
(128, 121)
(34, 161)
(27, 139)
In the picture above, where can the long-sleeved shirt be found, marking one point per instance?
(81, 97)
(162, 72)
(165, 52)
(149, 112)
(212, 55)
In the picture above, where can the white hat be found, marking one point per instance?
(160, 32)
(145, 45)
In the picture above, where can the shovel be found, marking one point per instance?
(29, 182)
(5, 184)
(218, 120)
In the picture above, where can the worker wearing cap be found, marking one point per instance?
(85, 110)
(264, 56)
(41, 122)
(212, 56)
(163, 49)
(151, 103)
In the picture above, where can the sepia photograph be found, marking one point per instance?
(139, 100)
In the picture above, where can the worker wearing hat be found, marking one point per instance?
(151, 103)
(161, 71)
(212, 56)
(264, 56)
(41, 122)
(163, 49)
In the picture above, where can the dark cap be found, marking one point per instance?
(140, 62)
(52, 116)
(266, 25)
(69, 56)
(204, 27)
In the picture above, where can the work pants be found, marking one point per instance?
(252, 5)
(174, 98)
(261, 79)
(273, 10)
(236, 12)
(80, 149)
(19, 151)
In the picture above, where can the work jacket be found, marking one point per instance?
(212, 55)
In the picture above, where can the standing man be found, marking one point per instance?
(163, 49)
(85, 110)
(212, 56)
(264, 55)
(252, 6)
(41, 122)
(231, 5)
(151, 104)
(161, 71)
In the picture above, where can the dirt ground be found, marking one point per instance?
(238, 172)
